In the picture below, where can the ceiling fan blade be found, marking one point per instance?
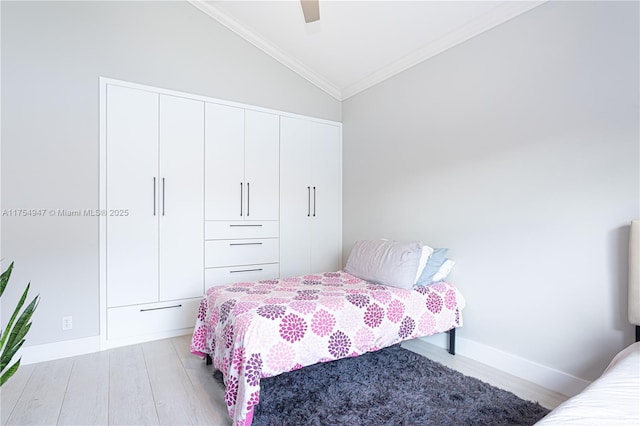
(311, 10)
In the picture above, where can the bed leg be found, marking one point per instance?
(452, 341)
(637, 333)
(209, 361)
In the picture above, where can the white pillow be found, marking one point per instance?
(426, 253)
(390, 263)
(444, 271)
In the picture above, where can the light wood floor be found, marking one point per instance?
(162, 383)
(147, 384)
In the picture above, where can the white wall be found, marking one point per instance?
(518, 150)
(52, 56)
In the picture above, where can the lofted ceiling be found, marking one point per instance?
(357, 44)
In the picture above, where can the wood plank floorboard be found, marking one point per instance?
(87, 396)
(12, 390)
(208, 391)
(175, 397)
(130, 398)
(160, 382)
(43, 394)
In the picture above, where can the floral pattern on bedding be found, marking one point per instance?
(254, 330)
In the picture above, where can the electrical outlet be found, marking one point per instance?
(67, 323)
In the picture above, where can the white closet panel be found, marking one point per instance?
(132, 173)
(326, 198)
(310, 197)
(242, 156)
(224, 162)
(261, 165)
(295, 197)
(181, 198)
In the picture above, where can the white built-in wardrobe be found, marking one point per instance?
(197, 192)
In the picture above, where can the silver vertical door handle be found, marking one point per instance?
(154, 196)
(248, 197)
(308, 201)
(314, 201)
(163, 197)
(241, 195)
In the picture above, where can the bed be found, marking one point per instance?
(254, 330)
(613, 398)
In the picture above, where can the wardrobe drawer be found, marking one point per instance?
(240, 252)
(236, 274)
(223, 230)
(138, 320)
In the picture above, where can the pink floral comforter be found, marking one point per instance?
(254, 330)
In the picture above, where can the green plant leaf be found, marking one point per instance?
(13, 336)
(4, 278)
(13, 317)
(10, 371)
(5, 360)
(16, 332)
(22, 332)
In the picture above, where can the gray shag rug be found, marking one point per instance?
(392, 386)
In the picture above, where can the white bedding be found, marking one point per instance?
(612, 399)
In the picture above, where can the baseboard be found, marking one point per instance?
(67, 348)
(58, 350)
(525, 369)
(110, 344)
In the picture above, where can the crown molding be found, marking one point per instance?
(497, 16)
(500, 14)
(267, 47)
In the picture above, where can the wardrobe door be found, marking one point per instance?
(132, 195)
(326, 214)
(181, 190)
(261, 166)
(224, 163)
(295, 197)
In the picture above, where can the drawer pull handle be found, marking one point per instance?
(233, 226)
(157, 309)
(246, 270)
(245, 244)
